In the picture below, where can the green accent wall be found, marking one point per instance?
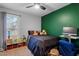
(67, 16)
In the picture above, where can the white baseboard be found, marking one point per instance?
(1, 49)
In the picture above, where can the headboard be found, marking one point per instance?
(31, 32)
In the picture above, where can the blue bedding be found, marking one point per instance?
(37, 44)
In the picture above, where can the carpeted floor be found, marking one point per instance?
(21, 51)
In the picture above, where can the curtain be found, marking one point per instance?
(2, 31)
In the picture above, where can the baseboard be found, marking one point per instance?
(1, 49)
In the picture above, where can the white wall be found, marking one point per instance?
(27, 22)
(30, 23)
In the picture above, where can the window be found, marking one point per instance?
(12, 26)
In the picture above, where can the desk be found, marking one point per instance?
(70, 37)
(73, 37)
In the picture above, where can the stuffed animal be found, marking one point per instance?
(53, 52)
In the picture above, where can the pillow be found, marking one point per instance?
(35, 33)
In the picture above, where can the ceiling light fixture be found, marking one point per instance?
(37, 6)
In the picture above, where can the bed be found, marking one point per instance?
(40, 45)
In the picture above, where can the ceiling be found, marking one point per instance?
(50, 7)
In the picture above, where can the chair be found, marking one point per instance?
(66, 48)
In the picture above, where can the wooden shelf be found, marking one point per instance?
(15, 45)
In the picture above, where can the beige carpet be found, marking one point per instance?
(21, 51)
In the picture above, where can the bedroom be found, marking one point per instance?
(46, 25)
